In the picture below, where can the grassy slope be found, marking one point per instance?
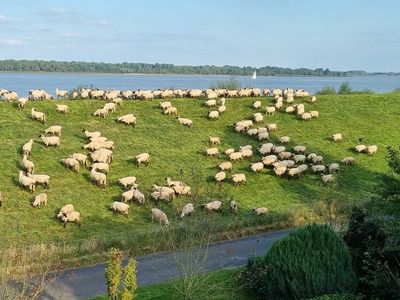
(174, 147)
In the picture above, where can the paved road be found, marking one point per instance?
(87, 282)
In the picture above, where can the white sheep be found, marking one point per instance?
(327, 178)
(127, 181)
(266, 148)
(210, 103)
(62, 108)
(213, 206)
(37, 115)
(164, 105)
(120, 207)
(110, 106)
(142, 158)
(299, 149)
(238, 178)
(258, 117)
(257, 104)
(21, 102)
(280, 170)
(337, 137)
(214, 114)
(182, 189)
(26, 182)
(221, 109)
(27, 147)
(360, 148)
(101, 112)
(348, 160)
(101, 167)
(172, 183)
(263, 136)
(299, 158)
(269, 160)
(226, 165)
(27, 165)
(314, 113)
(372, 149)
(212, 151)
(317, 159)
(187, 210)
(306, 116)
(318, 168)
(246, 152)
(66, 209)
(39, 200)
(185, 122)
(313, 99)
(91, 134)
(61, 93)
(214, 140)
(294, 172)
(40, 179)
(98, 178)
(257, 167)
(138, 196)
(259, 211)
(73, 216)
(272, 127)
(233, 207)
(270, 110)
(252, 131)
(159, 216)
(56, 129)
(278, 149)
(289, 109)
(127, 119)
(50, 140)
(172, 110)
(229, 151)
(235, 156)
(81, 158)
(71, 163)
(284, 139)
(285, 155)
(220, 176)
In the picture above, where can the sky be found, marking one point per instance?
(335, 34)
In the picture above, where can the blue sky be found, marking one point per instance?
(337, 34)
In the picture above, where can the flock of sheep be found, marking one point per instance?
(293, 162)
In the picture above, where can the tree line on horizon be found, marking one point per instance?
(11, 65)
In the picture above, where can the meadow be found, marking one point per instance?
(179, 152)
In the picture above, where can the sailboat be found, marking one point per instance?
(254, 75)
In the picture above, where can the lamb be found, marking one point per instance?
(258, 117)
(26, 182)
(66, 209)
(164, 105)
(214, 140)
(127, 119)
(91, 134)
(348, 160)
(233, 207)
(40, 199)
(314, 114)
(27, 165)
(37, 115)
(214, 205)
(214, 114)
(372, 149)
(327, 178)
(127, 181)
(81, 158)
(337, 137)
(142, 158)
(259, 211)
(257, 104)
(210, 103)
(27, 147)
(40, 179)
(269, 160)
(360, 148)
(185, 122)
(238, 178)
(54, 130)
(101, 167)
(172, 110)
(50, 140)
(318, 168)
(270, 110)
(98, 178)
(101, 112)
(257, 167)
(187, 210)
(229, 151)
(120, 207)
(22, 102)
(284, 140)
(212, 151)
(159, 216)
(272, 127)
(220, 176)
(299, 149)
(62, 108)
(226, 165)
(235, 156)
(71, 163)
(221, 109)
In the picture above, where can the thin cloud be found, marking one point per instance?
(95, 21)
(57, 11)
(11, 42)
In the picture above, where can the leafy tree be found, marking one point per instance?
(113, 273)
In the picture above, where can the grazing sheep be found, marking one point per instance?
(270, 110)
(120, 207)
(348, 160)
(73, 216)
(54, 130)
(37, 115)
(172, 110)
(21, 102)
(252, 131)
(314, 113)
(40, 179)
(98, 139)
(259, 211)
(164, 105)
(127, 119)
(213, 206)
(110, 107)
(318, 168)
(182, 190)
(246, 152)
(299, 149)
(229, 151)
(235, 156)
(233, 207)
(91, 134)
(40, 199)
(285, 155)
(317, 159)
(159, 216)
(127, 181)
(50, 140)
(220, 176)
(306, 116)
(313, 99)
(287, 163)
(210, 103)
(333, 167)
(101, 167)
(221, 109)
(263, 136)
(102, 156)
(62, 108)
(311, 156)
(266, 148)
(98, 178)
(163, 193)
(187, 210)
(214, 140)
(257, 167)
(27, 165)
(299, 158)
(360, 148)
(66, 209)
(61, 93)
(327, 178)
(138, 196)
(238, 178)
(142, 158)
(101, 112)
(269, 160)
(226, 165)
(185, 122)
(337, 137)
(81, 158)
(272, 127)
(257, 104)
(278, 149)
(372, 149)
(212, 151)
(294, 172)
(302, 168)
(258, 117)
(279, 170)
(172, 183)
(26, 182)
(27, 147)
(72, 163)
(214, 114)
(284, 140)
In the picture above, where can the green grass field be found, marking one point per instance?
(178, 152)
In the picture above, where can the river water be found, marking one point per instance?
(23, 82)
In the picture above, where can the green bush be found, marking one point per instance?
(327, 90)
(336, 297)
(345, 88)
(113, 273)
(230, 84)
(309, 262)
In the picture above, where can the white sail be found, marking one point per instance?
(254, 75)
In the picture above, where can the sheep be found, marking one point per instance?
(287, 163)
(314, 114)
(91, 134)
(257, 167)
(120, 207)
(172, 183)
(337, 137)
(226, 165)
(257, 104)
(252, 131)
(163, 193)
(306, 116)
(101, 112)
(39, 200)
(294, 172)
(66, 209)
(270, 110)
(102, 156)
(214, 114)
(213, 206)
(27, 147)
(98, 139)
(172, 110)
(61, 93)
(81, 158)
(258, 117)
(233, 207)
(238, 178)
(182, 189)
(285, 155)
(27, 165)
(214, 140)
(71, 163)
(50, 140)
(220, 176)
(210, 103)
(317, 159)
(318, 168)
(235, 156)
(311, 156)
(164, 105)
(360, 148)
(348, 160)
(278, 149)
(187, 210)
(266, 148)
(212, 151)
(127, 181)
(229, 151)
(117, 101)
(259, 211)
(299, 149)
(26, 182)
(299, 158)
(40, 179)
(246, 124)
(272, 127)
(101, 167)
(372, 149)
(142, 158)
(127, 119)
(333, 167)
(278, 105)
(62, 108)
(280, 170)
(246, 147)
(246, 152)
(98, 178)
(284, 139)
(53, 130)
(240, 128)
(222, 100)
(263, 135)
(37, 115)
(313, 99)
(73, 216)
(327, 178)
(289, 109)
(302, 168)
(21, 102)
(185, 122)
(110, 107)
(159, 216)
(269, 160)
(221, 109)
